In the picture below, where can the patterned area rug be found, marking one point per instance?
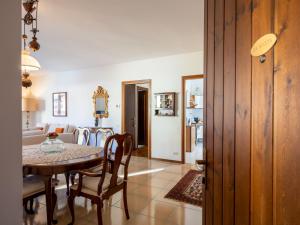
(189, 189)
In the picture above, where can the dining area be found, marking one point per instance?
(93, 171)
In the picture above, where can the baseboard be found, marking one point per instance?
(167, 160)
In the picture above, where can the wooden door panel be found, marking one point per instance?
(131, 111)
(229, 112)
(262, 120)
(243, 112)
(286, 113)
(209, 111)
(218, 113)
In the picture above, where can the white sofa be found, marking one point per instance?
(38, 139)
(38, 134)
(45, 128)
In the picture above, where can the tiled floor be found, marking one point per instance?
(149, 181)
(141, 152)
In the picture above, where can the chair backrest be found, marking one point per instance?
(101, 136)
(124, 143)
(82, 136)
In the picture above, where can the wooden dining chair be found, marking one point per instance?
(33, 187)
(102, 185)
(101, 136)
(81, 137)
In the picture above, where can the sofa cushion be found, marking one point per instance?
(59, 130)
(33, 132)
(53, 126)
(90, 184)
(33, 140)
(38, 139)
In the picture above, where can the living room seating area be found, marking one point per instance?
(38, 134)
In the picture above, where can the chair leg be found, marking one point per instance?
(25, 205)
(99, 212)
(73, 175)
(71, 206)
(125, 200)
(31, 211)
(67, 175)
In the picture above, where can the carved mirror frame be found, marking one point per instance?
(101, 93)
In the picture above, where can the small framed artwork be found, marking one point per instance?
(59, 104)
(165, 104)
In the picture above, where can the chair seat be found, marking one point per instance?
(90, 184)
(32, 185)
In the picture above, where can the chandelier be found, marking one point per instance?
(29, 63)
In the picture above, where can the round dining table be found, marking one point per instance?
(73, 157)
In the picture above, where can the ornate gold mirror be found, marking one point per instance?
(100, 100)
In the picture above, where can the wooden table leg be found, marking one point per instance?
(49, 200)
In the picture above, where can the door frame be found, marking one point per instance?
(183, 96)
(149, 82)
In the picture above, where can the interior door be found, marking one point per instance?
(131, 111)
(142, 115)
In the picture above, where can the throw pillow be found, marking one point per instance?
(59, 130)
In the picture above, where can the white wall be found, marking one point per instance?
(10, 114)
(165, 73)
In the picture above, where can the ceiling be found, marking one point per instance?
(76, 34)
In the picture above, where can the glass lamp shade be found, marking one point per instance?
(29, 63)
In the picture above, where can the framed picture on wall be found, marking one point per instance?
(59, 104)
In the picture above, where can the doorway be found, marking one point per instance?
(136, 111)
(192, 119)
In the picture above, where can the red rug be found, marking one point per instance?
(189, 189)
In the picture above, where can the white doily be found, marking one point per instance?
(32, 154)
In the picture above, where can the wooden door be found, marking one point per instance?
(131, 111)
(142, 116)
(252, 114)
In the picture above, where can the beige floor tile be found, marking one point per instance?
(146, 220)
(159, 210)
(38, 218)
(138, 179)
(185, 216)
(177, 169)
(111, 216)
(136, 203)
(157, 182)
(146, 191)
(131, 188)
(168, 176)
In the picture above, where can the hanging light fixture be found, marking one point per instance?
(29, 63)
(29, 19)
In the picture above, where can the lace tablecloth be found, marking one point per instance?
(32, 154)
